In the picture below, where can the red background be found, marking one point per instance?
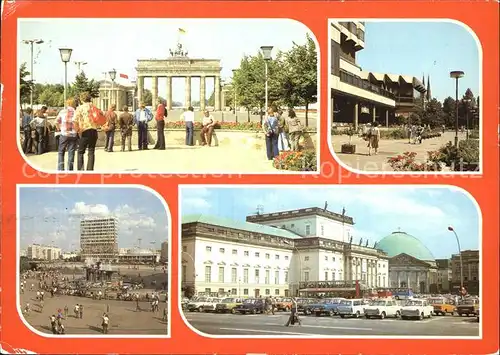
(482, 17)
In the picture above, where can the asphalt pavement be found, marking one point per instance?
(269, 325)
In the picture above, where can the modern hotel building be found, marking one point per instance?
(359, 96)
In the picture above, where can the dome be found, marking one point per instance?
(401, 242)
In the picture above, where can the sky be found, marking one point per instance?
(416, 48)
(117, 43)
(378, 211)
(51, 216)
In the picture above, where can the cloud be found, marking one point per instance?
(83, 209)
(195, 199)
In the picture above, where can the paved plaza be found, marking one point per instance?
(255, 325)
(387, 148)
(175, 159)
(124, 319)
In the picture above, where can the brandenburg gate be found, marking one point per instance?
(179, 65)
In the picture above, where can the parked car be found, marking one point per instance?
(416, 308)
(326, 306)
(228, 305)
(442, 305)
(284, 304)
(351, 308)
(251, 305)
(303, 303)
(198, 303)
(211, 305)
(469, 306)
(382, 309)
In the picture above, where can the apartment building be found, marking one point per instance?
(99, 238)
(43, 252)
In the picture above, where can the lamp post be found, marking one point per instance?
(79, 65)
(451, 229)
(457, 74)
(194, 269)
(466, 102)
(32, 42)
(112, 76)
(65, 57)
(266, 52)
(234, 103)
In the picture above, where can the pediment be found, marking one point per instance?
(208, 262)
(234, 264)
(221, 263)
(267, 267)
(404, 259)
(246, 265)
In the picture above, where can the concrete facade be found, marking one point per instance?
(99, 238)
(43, 252)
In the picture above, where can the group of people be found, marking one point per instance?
(282, 133)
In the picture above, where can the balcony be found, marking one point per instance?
(405, 100)
(365, 85)
(348, 58)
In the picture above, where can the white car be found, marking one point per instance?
(351, 308)
(198, 304)
(382, 309)
(416, 308)
(211, 305)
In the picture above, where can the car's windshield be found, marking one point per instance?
(469, 302)
(345, 302)
(413, 303)
(228, 300)
(201, 299)
(436, 301)
(378, 303)
(249, 301)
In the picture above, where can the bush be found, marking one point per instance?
(236, 126)
(474, 134)
(406, 162)
(296, 161)
(467, 152)
(398, 133)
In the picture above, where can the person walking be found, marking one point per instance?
(294, 130)
(161, 114)
(105, 323)
(68, 138)
(283, 130)
(374, 138)
(294, 318)
(27, 117)
(126, 122)
(188, 117)
(87, 124)
(270, 127)
(40, 122)
(109, 128)
(142, 117)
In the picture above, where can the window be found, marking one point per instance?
(257, 274)
(276, 277)
(184, 272)
(384, 282)
(277, 257)
(286, 257)
(308, 229)
(326, 275)
(208, 291)
(333, 259)
(306, 258)
(234, 275)
(222, 250)
(277, 292)
(322, 230)
(234, 291)
(268, 256)
(286, 276)
(246, 253)
(266, 280)
(257, 255)
(326, 258)
(208, 249)
(268, 291)
(306, 276)
(245, 276)
(245, 291)
(221, 274)
(208, 274)
(235, 252)
(333, 276)
(184, 249)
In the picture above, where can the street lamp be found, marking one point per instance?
(79, 65)
(32, 42)
(112, 75)
(466, 102)
(234, 103)
(65, 57)
(194, 269)
(457, 74)
(266, 52)
(451, 229)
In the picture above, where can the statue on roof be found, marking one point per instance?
(360, 241)
(179, 51)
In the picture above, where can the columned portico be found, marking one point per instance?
(154, 90)
(140, 89)
(217, 96)
(408, 272)
(188, 91)
(169, 93)
(203, 93)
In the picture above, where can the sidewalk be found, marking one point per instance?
(175, 159)
(387, 148)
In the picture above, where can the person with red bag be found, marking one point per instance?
(88, 119)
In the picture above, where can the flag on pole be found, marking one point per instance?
(124, 76)
(182, 31)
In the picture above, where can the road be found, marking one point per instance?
(229, 324)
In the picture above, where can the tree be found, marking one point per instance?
(83, 84)
(449, 111)
(299, 75)
(26, 86)
(433, 114)
(147, 97)
(466, 105)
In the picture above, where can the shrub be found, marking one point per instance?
(467, 151)
(296, 161)
(398, 133)
(474, 134)
(407, 162)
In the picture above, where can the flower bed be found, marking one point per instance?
(407, 162)
(398, 133)
(463, 158)
(238, 126)
(296, 161)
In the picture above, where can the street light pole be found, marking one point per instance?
(457, 74)
(32, 42)
(194, 269)
(451, 229)
(467, 101)
(65, 57)
(234, 103)
(266, 52)
(79, 65)
(112, 75)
